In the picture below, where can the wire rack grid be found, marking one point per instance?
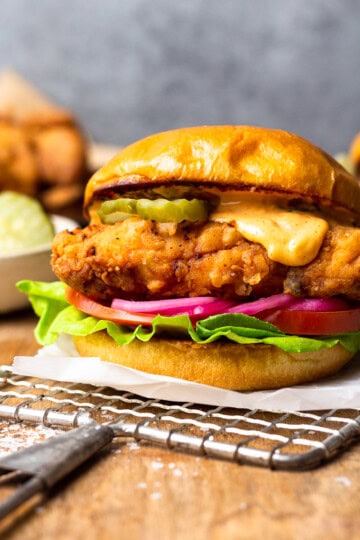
(283, 440)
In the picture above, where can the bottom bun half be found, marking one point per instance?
(222, 364)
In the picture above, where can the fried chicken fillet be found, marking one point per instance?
(143, 259)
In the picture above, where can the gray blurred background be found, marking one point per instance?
(129, 68)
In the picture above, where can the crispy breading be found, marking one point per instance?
(335, 272)
(142, 259)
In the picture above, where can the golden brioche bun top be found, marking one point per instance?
(236, 157)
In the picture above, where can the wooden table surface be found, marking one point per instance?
(135, 491)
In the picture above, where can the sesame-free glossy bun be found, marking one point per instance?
(222, 364)
(236, 157)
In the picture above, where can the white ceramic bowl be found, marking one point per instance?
(28, 264)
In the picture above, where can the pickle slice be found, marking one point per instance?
(114, 217)
(127, 206)
(161, 210)
(175, 211)
(23, 223)
(117, 210)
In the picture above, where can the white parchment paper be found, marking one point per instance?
(60, 362)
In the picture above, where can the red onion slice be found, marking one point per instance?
(271, 302)
(200, 307)
(197, 305)
(202, 311)
(319, 304)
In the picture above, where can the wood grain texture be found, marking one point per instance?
(137, 491)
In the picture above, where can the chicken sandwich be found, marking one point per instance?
(226, 255)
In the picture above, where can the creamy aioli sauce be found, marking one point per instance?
(290, 237)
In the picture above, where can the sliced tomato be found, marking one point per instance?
(314, 323)
(289, 321)
(90, 307)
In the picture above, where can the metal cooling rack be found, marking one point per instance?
(287, 441)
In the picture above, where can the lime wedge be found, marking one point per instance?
(23, 223)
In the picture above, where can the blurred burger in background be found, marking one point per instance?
(226, 255)
(354, 154)
(43, 151)
(351, 158)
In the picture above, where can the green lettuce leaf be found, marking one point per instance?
(57, 316)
